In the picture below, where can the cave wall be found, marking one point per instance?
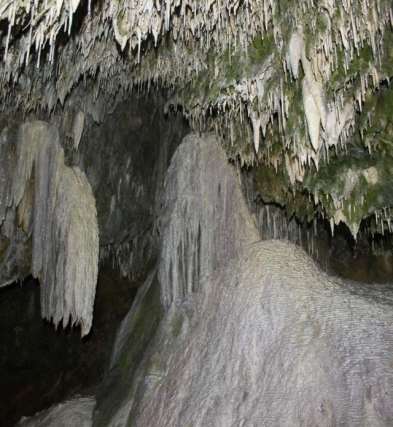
(299, 90)
(125, 159)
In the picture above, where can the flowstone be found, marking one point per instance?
(264, 337)
(204, 218)
(52, 206)
(270, 340)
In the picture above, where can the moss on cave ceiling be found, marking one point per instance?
(298, 90)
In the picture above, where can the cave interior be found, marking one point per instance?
(196, 214)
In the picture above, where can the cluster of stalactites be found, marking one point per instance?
(288, 96)
(41, 23)
(34, 28)
(307, 57)
(330, 120)
(132, 22)
(56, 205)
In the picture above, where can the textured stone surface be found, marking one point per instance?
(267, 339)
(270, 340)
(49, 215)
(204, 220)
(76, 412)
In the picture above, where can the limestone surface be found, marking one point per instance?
(75, 412)
(51, 205)
(264, 339)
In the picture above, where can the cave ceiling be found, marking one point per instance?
(297, 89)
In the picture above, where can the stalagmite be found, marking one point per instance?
(204, 218)
(77, 128)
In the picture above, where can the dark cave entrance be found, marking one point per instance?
(41, 366)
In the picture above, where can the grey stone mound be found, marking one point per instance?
(263, 337)
(72, 413)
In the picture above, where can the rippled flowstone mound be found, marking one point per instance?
(267, 339)
(271, 341)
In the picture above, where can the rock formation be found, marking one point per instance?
(294, 95)
(265, 338)
(52, 206)
(76, 412)
(204, 219)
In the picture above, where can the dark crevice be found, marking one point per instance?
(41, 366)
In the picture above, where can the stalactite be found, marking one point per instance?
(303, 70)
(62, 221)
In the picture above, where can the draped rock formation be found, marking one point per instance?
(204, 217)
(52, 205)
